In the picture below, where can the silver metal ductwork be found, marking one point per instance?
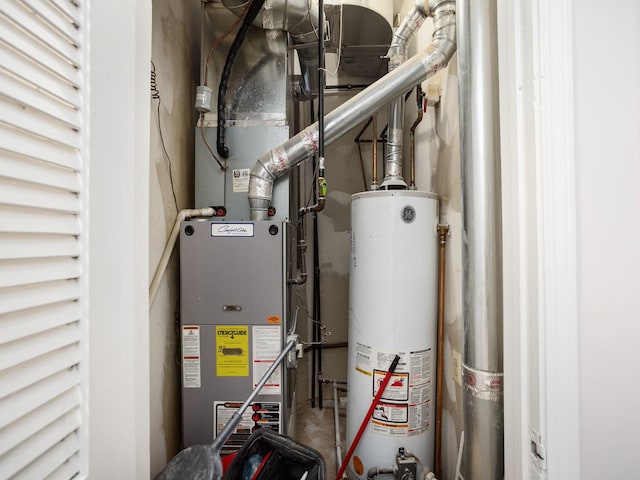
(300, 19)
(395, 111)
(303, 145)
(483, 457)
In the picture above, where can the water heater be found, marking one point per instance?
(392, 311)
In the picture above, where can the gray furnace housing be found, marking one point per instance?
(234, 311)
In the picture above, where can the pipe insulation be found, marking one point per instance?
(483, 455)
(395, 111)
(302, 146)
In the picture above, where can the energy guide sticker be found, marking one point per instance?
(232, 351)
(191, 374)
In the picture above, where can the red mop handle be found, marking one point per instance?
(365, 421)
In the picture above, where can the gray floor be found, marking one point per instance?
(315, 426)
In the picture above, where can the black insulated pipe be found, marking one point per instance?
(316, 285)
(252, 13)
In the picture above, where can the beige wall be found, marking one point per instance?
(175, 53)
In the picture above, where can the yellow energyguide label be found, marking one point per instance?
(232, 351)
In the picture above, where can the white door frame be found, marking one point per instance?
(539, 220)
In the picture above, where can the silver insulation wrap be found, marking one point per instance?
(395, 111)
(356, 110)
(300, 19)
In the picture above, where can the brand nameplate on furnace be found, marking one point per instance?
(232, 229)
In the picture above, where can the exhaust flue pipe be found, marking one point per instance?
(395, 111)
(302, 146)
(300, 19)
(483, 455)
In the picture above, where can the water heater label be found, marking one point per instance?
(267, 341)
(363, 358)
(391, 412)
(241, 179)
(232, 351)
(191, 373)
(232, 229)
(397, 388)
(405, 409)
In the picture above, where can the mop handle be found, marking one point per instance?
(365, 421)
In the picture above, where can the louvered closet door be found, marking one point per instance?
(41, 237)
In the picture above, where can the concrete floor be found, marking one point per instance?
(315, 427)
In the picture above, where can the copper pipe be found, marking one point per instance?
(443, 231)
(419, 101)
(374, 138)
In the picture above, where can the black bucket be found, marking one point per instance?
(269, 456)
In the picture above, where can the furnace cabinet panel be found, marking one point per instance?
(233, 322)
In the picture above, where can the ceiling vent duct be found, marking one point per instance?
(362, 51)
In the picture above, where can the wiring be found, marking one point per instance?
(215, 45)
(224, 35)
(204, 139)
(335, 71)
(155, 95)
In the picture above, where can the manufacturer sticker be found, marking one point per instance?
(241, 179)
(232, 229)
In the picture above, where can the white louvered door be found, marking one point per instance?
(42, 237)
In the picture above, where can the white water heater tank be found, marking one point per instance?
(392, 310)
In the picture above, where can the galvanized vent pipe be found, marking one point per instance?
(395, 111)
(483, 456)
(300, 19)
(302, 146)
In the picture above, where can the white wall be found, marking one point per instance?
(120, 46)
(607, 135)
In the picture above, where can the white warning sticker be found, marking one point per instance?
(267, 341)
(191, 372)
(397, 388)
(258, 415)
(241, 179)
(363, 358)
(405, 406)
(391, 412)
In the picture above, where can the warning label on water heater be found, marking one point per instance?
(405, 406)
(191, 375)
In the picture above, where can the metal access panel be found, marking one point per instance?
(215, 187)
(233, 325)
